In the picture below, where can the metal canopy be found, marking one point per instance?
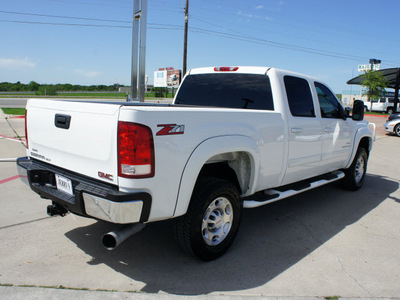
(389, 74)
(392, 75)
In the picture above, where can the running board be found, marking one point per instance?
(272, 195)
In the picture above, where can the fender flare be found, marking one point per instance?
(363, 132)
(202, 153)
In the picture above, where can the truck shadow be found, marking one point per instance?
(271, 239)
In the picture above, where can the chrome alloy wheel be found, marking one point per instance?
(217, 221)
(359, 169)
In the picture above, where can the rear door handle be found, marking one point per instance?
(297, 130)
(328, 129)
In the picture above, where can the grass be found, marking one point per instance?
(14, 111)
(372, 113)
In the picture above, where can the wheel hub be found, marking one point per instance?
(217, 221)
(360, 169)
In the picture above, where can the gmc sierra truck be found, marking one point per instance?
(234, 138)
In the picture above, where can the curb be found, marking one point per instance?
(30, 293)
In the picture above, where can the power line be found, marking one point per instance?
(61, 17)
(156, 26)
(161, 26)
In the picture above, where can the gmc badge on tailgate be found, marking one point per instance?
(105, 176)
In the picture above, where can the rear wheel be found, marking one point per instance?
(390, 110)
(355, 174)
(212, 220)
(397, 130)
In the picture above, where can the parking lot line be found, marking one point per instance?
(12, 139)
(10, 179)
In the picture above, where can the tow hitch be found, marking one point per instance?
(56, 210)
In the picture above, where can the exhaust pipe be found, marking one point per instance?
(114, 238)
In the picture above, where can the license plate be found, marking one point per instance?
(64, 184)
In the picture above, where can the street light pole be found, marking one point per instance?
(138, 50)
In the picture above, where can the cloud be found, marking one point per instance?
(259, 7)
(17, 63)
(240, 13)
(251, 16)
(89, 74)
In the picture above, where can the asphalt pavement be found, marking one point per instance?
(322, 243)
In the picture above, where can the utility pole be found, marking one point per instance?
(185, 38)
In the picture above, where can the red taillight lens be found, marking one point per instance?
(135, 151)
(225, 69)
(26, 129)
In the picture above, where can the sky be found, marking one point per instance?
(89, 42)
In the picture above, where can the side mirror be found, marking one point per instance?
(358, 110)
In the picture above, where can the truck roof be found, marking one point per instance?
(245, 70)
(231, 69)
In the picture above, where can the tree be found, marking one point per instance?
(375, 83)
(46, 90)
(33, 86)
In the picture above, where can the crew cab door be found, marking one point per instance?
(305, 143)
(336, 130)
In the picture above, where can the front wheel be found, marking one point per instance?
(212, 220)
(355, 174)
(397, 130)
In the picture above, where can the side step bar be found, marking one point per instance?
(272, 195)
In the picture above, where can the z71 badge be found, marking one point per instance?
(168, 129)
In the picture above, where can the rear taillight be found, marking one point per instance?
(26, 129)
(135, 151)
(225, 69)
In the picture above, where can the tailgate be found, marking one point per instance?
(77, 136)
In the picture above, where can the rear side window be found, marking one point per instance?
(299, 97)
(247, 91)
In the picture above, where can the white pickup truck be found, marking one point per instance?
(385, 105)
(234, 137)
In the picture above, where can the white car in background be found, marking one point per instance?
(393, 124)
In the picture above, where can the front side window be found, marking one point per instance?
(299, 97)
(330, 107)
(248, 91)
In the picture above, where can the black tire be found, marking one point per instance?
(396, 130)
(212, 220)
(390, 110)
(355, 174)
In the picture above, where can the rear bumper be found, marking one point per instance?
(90, 198)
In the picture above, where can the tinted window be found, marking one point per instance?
(227, 90)
(299, 96)
(330, 107)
